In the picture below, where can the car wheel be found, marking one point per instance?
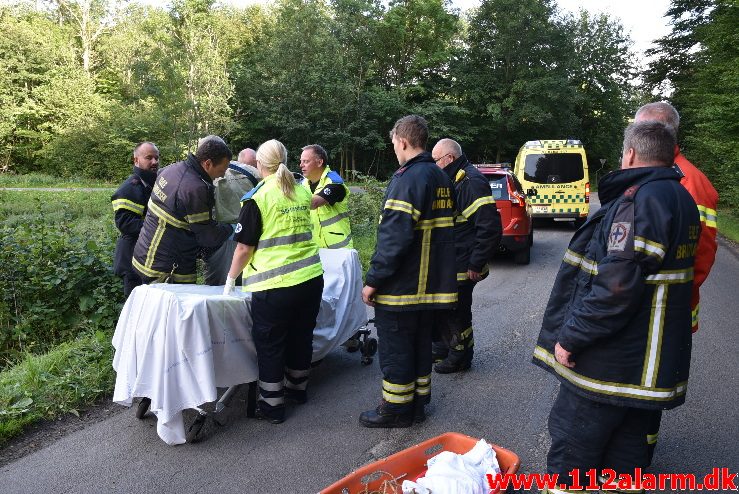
(523, 256)
(531, 237)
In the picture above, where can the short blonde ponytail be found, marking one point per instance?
(272, 155)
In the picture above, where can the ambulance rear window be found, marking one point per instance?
(498, 186)
(556, 168)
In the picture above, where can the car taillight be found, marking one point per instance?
(517, 198)
(587, 193)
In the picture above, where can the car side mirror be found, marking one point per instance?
(531, 192)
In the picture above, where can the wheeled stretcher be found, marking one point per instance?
(175, 345)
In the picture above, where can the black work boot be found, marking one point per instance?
(456, 362)
(439, 351)
(381, 417)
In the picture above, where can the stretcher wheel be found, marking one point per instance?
(370, 347)
(195, 428)
(353, 344)
(143, 407)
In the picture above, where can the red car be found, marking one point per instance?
(515, 211)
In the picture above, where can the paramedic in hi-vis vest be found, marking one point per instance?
(281, 266)
(329, 206)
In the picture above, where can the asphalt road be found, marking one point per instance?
(503, 398)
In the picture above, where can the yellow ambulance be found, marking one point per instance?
(554, 174)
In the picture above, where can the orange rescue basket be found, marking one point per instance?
(410, 464)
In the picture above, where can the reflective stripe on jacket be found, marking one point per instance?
(331, 227)
(620, 301)
(286, 254)
(129, 207)
(179, 223)
(477, 226)
(412, 267)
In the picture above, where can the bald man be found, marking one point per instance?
(129, 206)
(240, 178)
(477, 233)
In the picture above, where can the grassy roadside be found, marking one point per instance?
(728, 224)
(41, 180)
(73, 375)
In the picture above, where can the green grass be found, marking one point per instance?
(728, 224)
(85, 213)
(41, 180)
(61, 381)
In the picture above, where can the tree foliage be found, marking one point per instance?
(78, 95)
(697, 65)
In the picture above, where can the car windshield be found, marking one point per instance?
(498, 186)
(556, 168)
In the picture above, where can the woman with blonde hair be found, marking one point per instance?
(280, 264)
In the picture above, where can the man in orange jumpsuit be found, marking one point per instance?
(706, 197)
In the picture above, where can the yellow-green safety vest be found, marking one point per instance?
(286, 254)
(331, 227)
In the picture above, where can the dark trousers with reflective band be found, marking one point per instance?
(653, 433)
(283, 323)
(453, 328)
(587, 434)
(405, 356)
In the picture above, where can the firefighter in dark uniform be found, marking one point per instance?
(179, 220)
(617, 328)
(410, 278)
(129, 205)
(477, 233)
(282, 268)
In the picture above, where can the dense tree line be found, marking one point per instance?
(83, 80)
(697, 64)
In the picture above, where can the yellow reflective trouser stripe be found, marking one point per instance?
(652, 438)
(654, 338)
(152, 273)
(423, 381)
(477, 204)
(574, 259)
(392, 398)
(163, 215)
(198, 217)
(610, 388)
(694, 315)
(649, 247)
(129, 205)
(155, 239)
(423, 385)
(398, 388)
(671, 276)
(405, 207)
(398, 393)
(425, 298)
(466, 332)
(708, 216)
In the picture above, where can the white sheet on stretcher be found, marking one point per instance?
(176, 344)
